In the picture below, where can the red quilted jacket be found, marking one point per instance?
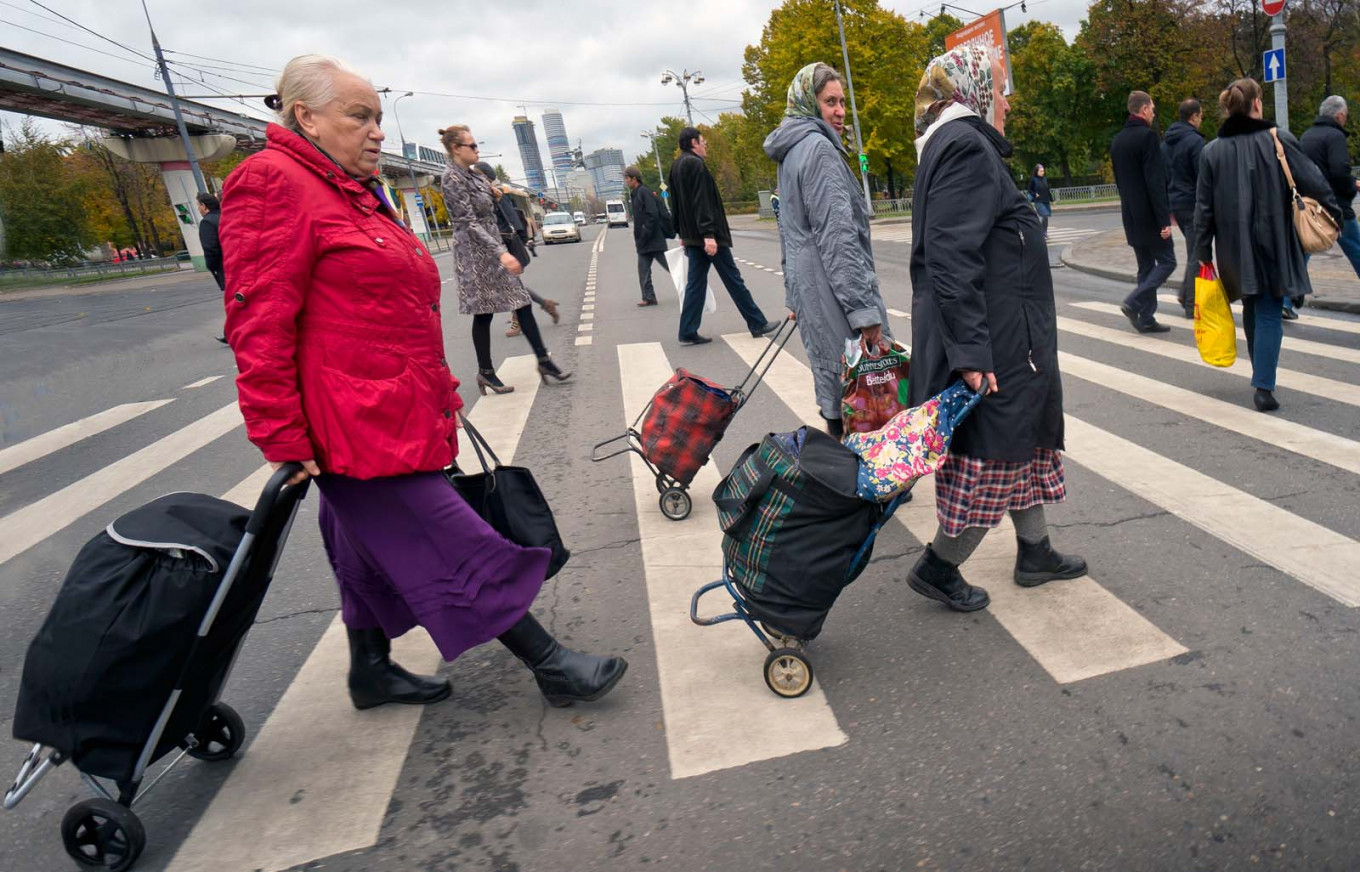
(333, 313)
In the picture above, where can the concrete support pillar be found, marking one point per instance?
(179, 178)
(418, 212)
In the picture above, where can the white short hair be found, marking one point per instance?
(1332, 106)
(308, 79)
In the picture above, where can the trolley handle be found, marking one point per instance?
(264, 506)
(766, 360)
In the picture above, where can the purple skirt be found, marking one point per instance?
(408, 550)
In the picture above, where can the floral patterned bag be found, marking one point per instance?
(911, 445)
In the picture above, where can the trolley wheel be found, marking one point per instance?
(788, 672)
(661, 484)
(220, 734)
(101, 834)
(675, 503)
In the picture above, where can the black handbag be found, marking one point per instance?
(508, 498)
(516, 246)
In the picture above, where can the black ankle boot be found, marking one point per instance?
(563, 675)
(934, 577)
(374, 679)
(1037, 562)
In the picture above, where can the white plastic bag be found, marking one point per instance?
(678, 263)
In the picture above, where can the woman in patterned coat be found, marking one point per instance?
(982, 310)
(488, 280)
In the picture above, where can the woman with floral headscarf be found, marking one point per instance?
(829, 280)
(982, 310)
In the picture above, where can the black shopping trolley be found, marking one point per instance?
(114, 689)
(683, 423)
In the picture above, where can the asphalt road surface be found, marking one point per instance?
(1190, 705)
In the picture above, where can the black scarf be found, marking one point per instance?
(1242, 125)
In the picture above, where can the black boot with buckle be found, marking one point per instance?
(375, 680)
(1037, 562)
(563, 675)
(938, 579)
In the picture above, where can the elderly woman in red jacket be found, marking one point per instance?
(333, 315)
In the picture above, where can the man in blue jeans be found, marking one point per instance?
(1325, 143)
(701, 224)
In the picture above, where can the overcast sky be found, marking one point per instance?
(541, 53)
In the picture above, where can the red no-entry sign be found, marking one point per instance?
(1272, 7)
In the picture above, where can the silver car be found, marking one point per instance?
(560, 227)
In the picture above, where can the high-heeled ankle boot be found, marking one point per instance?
(488, 380)
(564, 676)
(374, 679)
(547, 369)
(550, 306)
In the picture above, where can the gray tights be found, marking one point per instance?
(1030, 525)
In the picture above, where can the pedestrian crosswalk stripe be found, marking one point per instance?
(1074, 629)
(718, 711)
(897, 313)
(1330, 562)
(35, 522)
(1308, 317)
(1316, 444)
(317, 779)
(1330, 389)
(250, 488)
(1290, 343)
(201, 382)
(67, 435)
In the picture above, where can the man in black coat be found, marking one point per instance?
(649, 232)
(1182, 148)
(1325, 143)
(1140, 173)
(701, 223)
(211, 209)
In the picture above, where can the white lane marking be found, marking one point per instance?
(585, 327)
(1320, 558)
(248, 491)
(587, 316)
(33, 523)
(718, 711)
(898, 313)
(1290, 343)
(1074, 629)
(768, 269)
(288, 801)
(1320, 446)
(1308, 317)
(585, 340)
(588, 308)
(67, 435)
(1329, 389)
(201, 382)
(779, 273)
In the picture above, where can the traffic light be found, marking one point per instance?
(183, 212)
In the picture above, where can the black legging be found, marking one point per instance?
(481, 335)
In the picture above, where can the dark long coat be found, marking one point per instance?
(982, 294)
(648, 234)
(1243, 210)
(1140, 172)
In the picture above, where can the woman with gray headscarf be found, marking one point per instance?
(829, 280)
(982, 310)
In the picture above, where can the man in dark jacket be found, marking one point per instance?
(1140, 173)
(649, 232)
(211, 210)
(701, 224)
(1325, 143)
(1181, 148)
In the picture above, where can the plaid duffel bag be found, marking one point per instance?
(685, 420)
(793, 525)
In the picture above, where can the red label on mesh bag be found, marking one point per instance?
(687, 418)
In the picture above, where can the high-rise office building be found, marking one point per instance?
(606, 168)
(559, 148)
(529, 154)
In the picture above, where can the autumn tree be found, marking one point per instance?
(1056, 117)
(41, 204)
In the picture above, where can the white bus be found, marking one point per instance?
(618, 215)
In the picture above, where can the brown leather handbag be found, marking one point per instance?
(1317, 229)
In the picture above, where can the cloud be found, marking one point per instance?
(539, 53)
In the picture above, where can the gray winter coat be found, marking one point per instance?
(829, 279)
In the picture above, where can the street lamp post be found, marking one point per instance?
(683, 81)
(661, 178)
(854, 111)
(410, 163)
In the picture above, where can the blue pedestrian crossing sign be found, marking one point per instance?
(1273, 63)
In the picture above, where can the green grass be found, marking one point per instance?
(26, 283)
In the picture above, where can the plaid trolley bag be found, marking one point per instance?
(684, 421)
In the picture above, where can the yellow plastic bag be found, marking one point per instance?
(1215, 330)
